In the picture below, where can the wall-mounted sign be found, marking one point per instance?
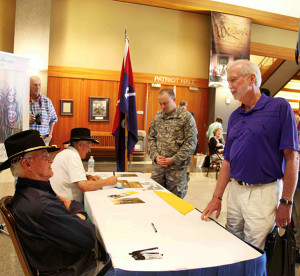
(173, 80)
(14, 97)
(230, 40)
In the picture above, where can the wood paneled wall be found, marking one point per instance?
(80, 88)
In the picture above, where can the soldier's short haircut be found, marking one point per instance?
(169, 91)
(182, 103)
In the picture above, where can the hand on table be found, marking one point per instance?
(213, 205)
(110, 181)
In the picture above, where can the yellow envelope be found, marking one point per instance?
(179, 204)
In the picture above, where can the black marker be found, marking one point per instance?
(138, 251)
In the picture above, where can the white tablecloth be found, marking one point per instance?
(185, 241)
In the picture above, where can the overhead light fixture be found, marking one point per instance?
(293, 84)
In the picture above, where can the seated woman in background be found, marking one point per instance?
(215, 145)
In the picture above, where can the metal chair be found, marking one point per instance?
(214, 165)
(9, 220)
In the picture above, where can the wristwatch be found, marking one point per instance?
(284, 201)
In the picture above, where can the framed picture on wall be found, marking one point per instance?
(66, 107)
(99, 109)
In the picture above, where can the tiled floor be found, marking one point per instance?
(199, 193)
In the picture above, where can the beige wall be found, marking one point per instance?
(7, 25)
(90, 34)
(273, 36)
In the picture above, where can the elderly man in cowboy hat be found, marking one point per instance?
(70, 179)
(54, 232)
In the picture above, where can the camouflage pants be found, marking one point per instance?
(173, 179)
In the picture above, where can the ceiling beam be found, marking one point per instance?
(205, 6)
(281, 76)
(290, 90)
(260, 49)
(297, 77)
(276, 64)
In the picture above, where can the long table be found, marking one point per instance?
(189, 245)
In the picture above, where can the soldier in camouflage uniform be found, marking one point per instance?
(172, 139)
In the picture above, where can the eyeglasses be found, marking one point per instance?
(45, 156)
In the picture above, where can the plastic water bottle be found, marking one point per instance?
(91, 164)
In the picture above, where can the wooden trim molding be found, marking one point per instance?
(289, 90)
(205, 6)
(272, 51)
(97, 74)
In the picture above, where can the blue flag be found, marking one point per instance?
(126, 105)
(297, 51)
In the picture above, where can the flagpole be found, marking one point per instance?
(126, 140)
(125, 119)
(125, 123)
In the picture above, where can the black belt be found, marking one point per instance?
(242, 183)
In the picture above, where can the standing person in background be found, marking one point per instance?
(261, 149)
(183, 104)
(42, 115)
(172, 140)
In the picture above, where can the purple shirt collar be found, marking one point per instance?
(259, 105)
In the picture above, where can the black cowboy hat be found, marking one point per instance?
(81, 133)
(23, 142)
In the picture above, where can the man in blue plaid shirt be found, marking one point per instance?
(42, 115)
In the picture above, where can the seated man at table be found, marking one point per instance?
(70, 179)
(54, 232)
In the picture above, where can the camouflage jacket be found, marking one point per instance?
(173, 135)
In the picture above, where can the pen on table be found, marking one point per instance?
(154, 227)
(138, 251)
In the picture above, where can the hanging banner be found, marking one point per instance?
(14, 97)
(230, 40)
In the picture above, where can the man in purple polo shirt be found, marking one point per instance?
(261, 149)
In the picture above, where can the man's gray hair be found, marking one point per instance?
(74, 143)
(247, 68)
(16, 165)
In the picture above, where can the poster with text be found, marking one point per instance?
(14, 95)
(230, 40)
